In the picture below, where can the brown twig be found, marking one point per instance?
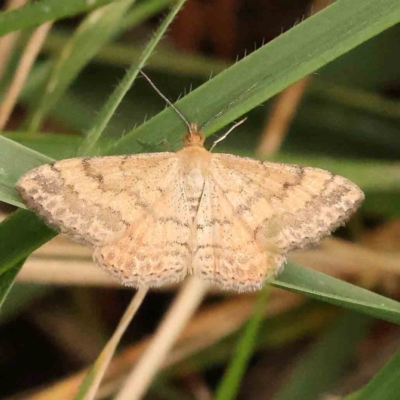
(281, 116)
(31, 51)
(103, 360)
(7, 42)
(285, 107)
(184, 306)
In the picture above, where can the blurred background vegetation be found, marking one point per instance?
(344, 117)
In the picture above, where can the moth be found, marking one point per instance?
(154, 218)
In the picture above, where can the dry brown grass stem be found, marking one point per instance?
(7, 42)
(178, 315)
(65, 272)
(280, 118)
(103, 360)
(285, 106)
(28, 57)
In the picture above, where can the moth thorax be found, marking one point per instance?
(195, 179)
(193, 183)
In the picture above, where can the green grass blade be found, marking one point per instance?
(318, 370)
(23, 295)
(7, 281)
(230, 383)
(98, 28)
(116, 97)
(385, 385)
(323, 287)
(34, 14)
(17, 243)
(15, 160)
(296, 53)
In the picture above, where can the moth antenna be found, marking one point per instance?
(227, 133)
(190, 127)
(226, 108)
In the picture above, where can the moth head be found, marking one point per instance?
(193, 137)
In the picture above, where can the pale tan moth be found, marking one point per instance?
(154, 218)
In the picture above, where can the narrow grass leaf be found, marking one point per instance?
(317, 371)
(116, 97)
(15, 160)
(7, 281)
(23, 295)
(385, 385)
(38, 12)
(21, 233)
(323, 287)
(298, 52)
(98, 28)
(230, 384)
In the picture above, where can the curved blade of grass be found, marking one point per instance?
(385, 385)
(318, 370)
(7, 281)
(25, 228)
(34, 14)
(296, 53)
(98, 28)
(230, 383)
(116, 97)
(12, 167)
(323, 287)
(94, 376)
(23, 295)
